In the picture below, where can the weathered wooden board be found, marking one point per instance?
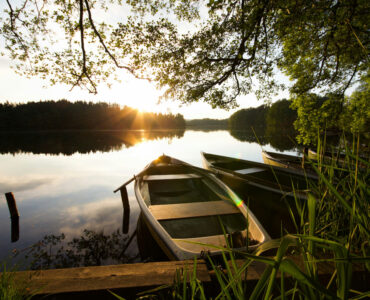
(171, 177)
(194, 209)
(250, 170)
(137, 276)
(108, 277)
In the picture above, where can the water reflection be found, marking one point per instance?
(84, 142)
(92, 248)
(280, 139)
(251, 136)
(73, 195)
(70, 142)
(7, 184)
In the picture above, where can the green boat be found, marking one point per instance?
(264, 176)
(282, 160)
(267, 190)
(187, 209)
(326, 156)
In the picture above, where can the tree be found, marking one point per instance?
(279, 125)
(316, 115)
(280, 115)
(235, 48)
(249, 118)
(356, 115)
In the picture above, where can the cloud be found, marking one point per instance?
(104, 215)
(15, 185)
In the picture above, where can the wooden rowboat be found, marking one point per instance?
(263, 176)
(187, 209)
(282, 160)
(326, 156)
(295, 162)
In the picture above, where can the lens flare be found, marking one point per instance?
(239, 203)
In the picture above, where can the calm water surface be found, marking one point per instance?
(64, 182)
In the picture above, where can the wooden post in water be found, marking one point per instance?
(14, 216)
(12, 205)
(126, 210)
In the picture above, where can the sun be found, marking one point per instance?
(141, 95)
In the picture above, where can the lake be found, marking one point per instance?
(63, 183)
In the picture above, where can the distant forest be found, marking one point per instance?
(264, 119)
(80, 115)
(278, 116)
(207, 123)
(249, 117)
(272, 124)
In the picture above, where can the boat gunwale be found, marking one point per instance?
(257, 182)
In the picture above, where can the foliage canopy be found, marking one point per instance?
(231, 48)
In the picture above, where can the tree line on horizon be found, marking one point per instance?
(81, 115)
(307, 116)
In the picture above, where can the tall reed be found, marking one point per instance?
(10, 289)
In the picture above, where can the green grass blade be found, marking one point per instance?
(262, 282)
(117, 296)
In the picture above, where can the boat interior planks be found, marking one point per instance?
(192, 210)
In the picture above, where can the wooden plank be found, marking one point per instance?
(108, 277)
(250, 170)
(194, 209)
(171, 176)
(142, 275)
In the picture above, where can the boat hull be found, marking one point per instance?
(264, 176)
(180, 225)
(268, 189)
(282, 160)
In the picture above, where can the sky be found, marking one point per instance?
(131, 92)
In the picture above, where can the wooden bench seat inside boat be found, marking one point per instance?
(171, 177)
(190, 210)
(250, 170)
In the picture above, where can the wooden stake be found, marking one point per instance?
(14, 216)
(126, 210)
(14, 229)
(12, 205)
